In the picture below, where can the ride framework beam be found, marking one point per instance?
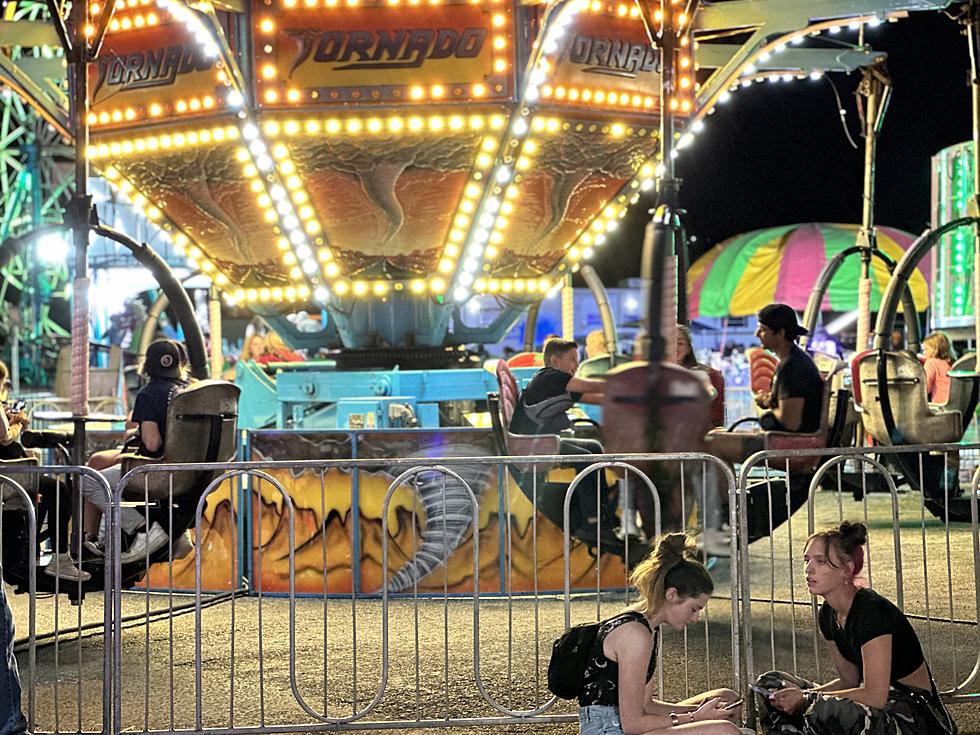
(780, 15)
(765, 20)
(717, 55)
(35, 93)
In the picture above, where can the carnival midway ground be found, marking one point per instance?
(430, 659)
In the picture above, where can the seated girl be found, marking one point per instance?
(618, 688)
(884, 686)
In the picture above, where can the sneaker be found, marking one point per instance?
(716, 542)
(631, 528)
(183, 546)
(93, 551)
(145, 543)
(63, 567)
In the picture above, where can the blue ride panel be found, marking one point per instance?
(301, 397)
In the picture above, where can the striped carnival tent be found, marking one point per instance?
(739, 276)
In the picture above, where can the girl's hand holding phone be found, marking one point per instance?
(790, 699)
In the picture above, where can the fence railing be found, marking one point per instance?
(916, 556)
(407, 593)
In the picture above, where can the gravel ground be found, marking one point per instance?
(431, 674)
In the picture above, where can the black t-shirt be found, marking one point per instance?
(871, 616)
(600, 683)
(542, 405)
(151, 405)
(798, 377)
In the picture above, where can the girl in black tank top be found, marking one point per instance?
(618, 685)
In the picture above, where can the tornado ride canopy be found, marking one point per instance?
(391, 151)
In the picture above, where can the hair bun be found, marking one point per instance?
(856, 532)
(673, 547)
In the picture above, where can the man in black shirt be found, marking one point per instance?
(541, 409)
(795, 402)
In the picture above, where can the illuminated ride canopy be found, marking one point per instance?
(394, 154)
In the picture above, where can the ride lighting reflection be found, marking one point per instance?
(844, 320)
(52, 249)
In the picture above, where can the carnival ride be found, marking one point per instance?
(385, 165)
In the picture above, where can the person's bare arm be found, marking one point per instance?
(150, 435)
(595, 398)
(789, 412)
(792, 699)
(876, 655)
(586, 385)
(630, 647)
(11, 427)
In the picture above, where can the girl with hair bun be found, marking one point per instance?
(618, 686)
(884, 686)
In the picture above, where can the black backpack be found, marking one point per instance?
(569, 657)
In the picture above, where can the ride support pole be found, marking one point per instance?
(79, 215)
(973, 23)
(568, 309)
(875, 87)
(214, 318)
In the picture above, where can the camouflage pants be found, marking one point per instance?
(830, 715)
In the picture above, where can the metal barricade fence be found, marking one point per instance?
(416, 638)
(917, 556)
(65, 673)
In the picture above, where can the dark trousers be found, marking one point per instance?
(12, 720)
(592, 496)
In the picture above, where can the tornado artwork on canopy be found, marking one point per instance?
(739, 276)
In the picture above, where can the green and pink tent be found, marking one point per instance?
(739, 276)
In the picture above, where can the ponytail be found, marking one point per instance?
(673, 563)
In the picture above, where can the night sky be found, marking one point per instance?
(777, 154)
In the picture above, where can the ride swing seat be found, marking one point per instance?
(911, 418)
(902, 415)
(768, 488)
(547, 496)
(737, 446)
(202, 423)
(201, 427)
(683, 417)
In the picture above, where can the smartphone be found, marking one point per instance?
(733, 705)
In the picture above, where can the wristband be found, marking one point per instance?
(674, 722)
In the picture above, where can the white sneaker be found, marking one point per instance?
(63, 567)
(630, 527)
(145, 544)
(183, 546)
(716, 542)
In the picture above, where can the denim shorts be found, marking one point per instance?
(599, 719)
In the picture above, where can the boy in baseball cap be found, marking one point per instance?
(163, 366)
